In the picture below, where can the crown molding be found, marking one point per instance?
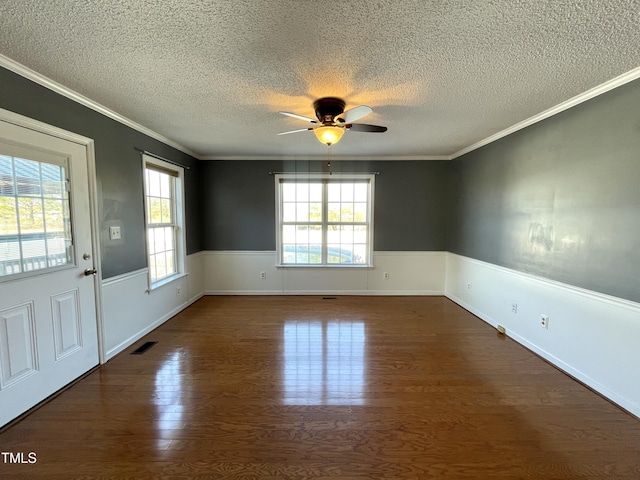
(46, 82)
(325, 158)
(561, 107)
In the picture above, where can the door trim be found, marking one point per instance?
(89, 144)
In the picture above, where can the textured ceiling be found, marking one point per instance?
(212, 75)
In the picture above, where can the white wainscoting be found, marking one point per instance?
(591, 336)
(238, 273)
(130, 311)
(195, 277)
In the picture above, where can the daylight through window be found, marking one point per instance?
(35, 220)
(325, 220)
(163, 223)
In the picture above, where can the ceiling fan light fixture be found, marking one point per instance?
(329, 135)
(333, 120)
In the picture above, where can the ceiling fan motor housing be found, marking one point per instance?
(328, 108)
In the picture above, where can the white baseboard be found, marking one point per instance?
(238, 273)
(195, 298)
(131, 312)
(373, 293)
(591, 336)
(126, 343)
(243, 292)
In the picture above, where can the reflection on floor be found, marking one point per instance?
(168, 397)
(324, 363)
(300, 388)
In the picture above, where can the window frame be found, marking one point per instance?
(177, 205)
(17, 152)
(325, 178)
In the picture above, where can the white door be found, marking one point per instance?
(48, 327)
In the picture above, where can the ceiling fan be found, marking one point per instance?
(332, 120)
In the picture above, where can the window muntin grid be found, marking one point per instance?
(161, 223)
(325, 221)
(35, 215)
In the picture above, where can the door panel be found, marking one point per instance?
(17, 344)
(48, 326)
(66, 323)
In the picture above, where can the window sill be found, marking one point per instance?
(164, 282)
(324, 266)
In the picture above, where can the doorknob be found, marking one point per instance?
(90, 271)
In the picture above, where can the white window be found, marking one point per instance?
(35, 219)
(164, 217)
(324, 220)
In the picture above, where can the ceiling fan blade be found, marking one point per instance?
(363, 127)
(296, 131)
(356, 113)
(299, 117)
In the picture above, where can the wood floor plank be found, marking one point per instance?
(304, 388)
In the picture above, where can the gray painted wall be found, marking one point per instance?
(118, 167)
(560, 199)
(410, 202)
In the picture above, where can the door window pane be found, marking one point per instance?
(35, 220)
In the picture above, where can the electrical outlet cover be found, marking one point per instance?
(114, 233)
(544, 321)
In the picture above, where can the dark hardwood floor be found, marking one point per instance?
(351, 388)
